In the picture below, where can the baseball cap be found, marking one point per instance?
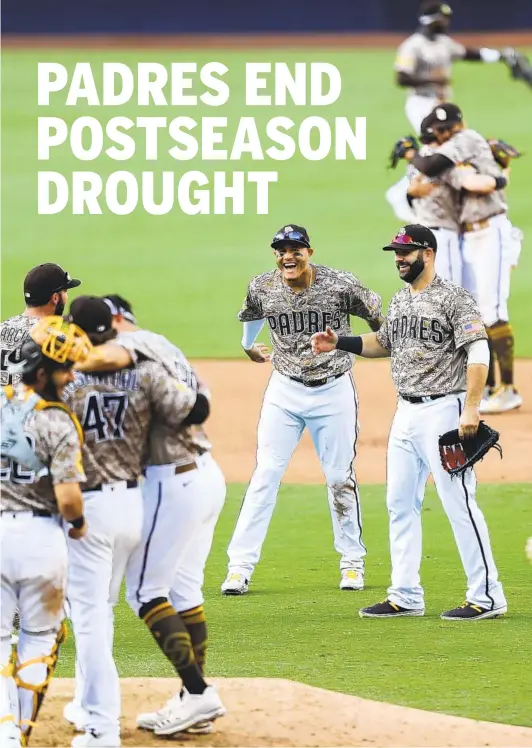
(118, 305)
(445, 115)
(91, 313)
(44, 280)
(431, 11)
(414, 236)
(291, 234)
(426, 133)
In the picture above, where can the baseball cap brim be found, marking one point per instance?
(405, 247)
(73, 283)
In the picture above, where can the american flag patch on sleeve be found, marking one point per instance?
(474, 327)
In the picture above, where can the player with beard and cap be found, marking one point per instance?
(45, 294)
(437, 342)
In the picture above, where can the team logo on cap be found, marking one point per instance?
(441, 114)
(402, 231)
(288, 228)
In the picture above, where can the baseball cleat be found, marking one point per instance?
(352, 579)
(235, 584)
(470, 612)
(505, 398)
(150, 720)
(93, 739)
(387, 609)
(191, 709)
(76, 715)
(200, 728)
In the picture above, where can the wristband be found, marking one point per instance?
(500, 183)
(78, 523)
(351, 344)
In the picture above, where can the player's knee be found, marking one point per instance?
(269, 471)
(146, 609)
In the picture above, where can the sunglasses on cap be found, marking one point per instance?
(405, 239)
(295, 236)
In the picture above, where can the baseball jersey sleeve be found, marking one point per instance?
(466, 320)
(66, 465)
(251, 308)
(360, 301)
(383, 335)
(171, 399)
(406, 58)
(457, 51)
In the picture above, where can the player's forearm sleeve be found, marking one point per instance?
(351, 344)
(478, 352)
(250, 332)
(432, 165)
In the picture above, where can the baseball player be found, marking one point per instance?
(438, 205)
(297, 299)
(45, 294)
(183, 492)
(41, 472)
(439, 361)
(423, 66)
(117, 411)
(487, 242)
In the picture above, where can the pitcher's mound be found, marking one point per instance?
(274, 712)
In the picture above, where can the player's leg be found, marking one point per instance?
(500, 331)
(458, 497)
(332, 420)
(448, 261)
(9, 703)
(90, 572)
(279, 431)
(186, 595)
(42, 588)
(405, 489)
(172, 518)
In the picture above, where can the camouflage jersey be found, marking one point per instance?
(294, 317)
(422, 56)
(56, 436)
(469, 147)
(426, 334)
(116, 412)
(442, 208)
(166, 446)
(13, 332)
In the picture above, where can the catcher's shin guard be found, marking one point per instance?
(27, 723)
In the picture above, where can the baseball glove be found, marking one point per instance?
(400, 148)
(519, 65)
(458, 455)
(503, 152)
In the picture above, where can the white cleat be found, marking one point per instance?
(76, 715)
(200, 728)
(93, 739)
(505, 398)
(150, 720)
(235, 584)
(190, 710)
(352, 579)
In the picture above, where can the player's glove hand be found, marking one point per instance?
(457, 455)
(503, 152)
(401, 148)
(519, 65)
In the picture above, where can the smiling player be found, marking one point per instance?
(298, 299)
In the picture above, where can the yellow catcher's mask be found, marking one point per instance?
(61, 341)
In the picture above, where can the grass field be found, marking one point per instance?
(296, 624)
(187, 274)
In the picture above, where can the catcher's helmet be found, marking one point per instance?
(53, 344)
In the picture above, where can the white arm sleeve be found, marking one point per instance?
(251, 332)
(478, 352)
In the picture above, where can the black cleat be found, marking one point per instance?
(387, 609)
(470, 612)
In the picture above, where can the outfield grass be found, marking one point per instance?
(187, 274)
(296, 624)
